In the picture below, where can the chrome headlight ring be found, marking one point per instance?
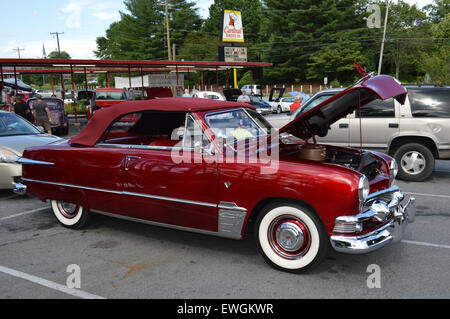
(393, 170)
(363, 190)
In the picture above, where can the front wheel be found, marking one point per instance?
(291, 237)
(70, 215)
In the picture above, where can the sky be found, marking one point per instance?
(27, 24)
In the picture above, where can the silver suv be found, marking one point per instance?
(415, 133)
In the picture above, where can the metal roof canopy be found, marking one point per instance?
(129, 64)
(126, 63)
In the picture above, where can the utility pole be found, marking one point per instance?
(384, 38)
(57, 40)
(18, 51)
(168, 30)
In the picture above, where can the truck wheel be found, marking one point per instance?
(70, 215)
(291, 237)
(415, 162)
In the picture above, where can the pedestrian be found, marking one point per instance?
(297, 103)
(186, 93)
(244, 97)
(20, 108)
(42, 114)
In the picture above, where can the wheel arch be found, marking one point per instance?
(424, 140)
(258, 208)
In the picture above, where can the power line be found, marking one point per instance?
(57, 40)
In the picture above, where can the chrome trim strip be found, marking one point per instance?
(144, 147)
(182, 228)
(27, 161)
(384, 191)
(124, 193)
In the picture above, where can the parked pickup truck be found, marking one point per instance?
(415, 134)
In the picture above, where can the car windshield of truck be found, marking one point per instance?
(238, 124)
(11, 125)
(114, 96)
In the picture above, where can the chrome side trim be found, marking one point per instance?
(182, 228)
(123, 193)
(231, 220)
(27, 161)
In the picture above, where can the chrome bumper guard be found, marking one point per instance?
(20, 189)
(379, 209)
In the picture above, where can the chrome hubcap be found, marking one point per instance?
(289, 236)
(413, 163)
(68, 210)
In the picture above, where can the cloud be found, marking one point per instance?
(77, 49)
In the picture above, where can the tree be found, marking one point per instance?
(436, 62)
(141, 33)
(312, 39)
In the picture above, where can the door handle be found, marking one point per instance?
(393, 125)
(343, 125)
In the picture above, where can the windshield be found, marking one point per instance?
(313, 103)
(115, 96)
(11, 124)
(238, 124)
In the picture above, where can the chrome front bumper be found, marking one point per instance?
(389, 232)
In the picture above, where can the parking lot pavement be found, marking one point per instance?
(121, 259)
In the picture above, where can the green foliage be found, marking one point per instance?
(69, 108)
(141, 32)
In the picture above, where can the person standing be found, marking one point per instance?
(42, 114)
(20, 108)
(244, 97)
(297, 104)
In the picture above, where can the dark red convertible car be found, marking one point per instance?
(219, 168)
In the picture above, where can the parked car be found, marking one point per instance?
(44, 93)
(208, 95)
(60, 121)
(283, 105)
(254, 89)
(231, 94)
(261, 106)
(214, 177)
(105, 97)
(415, 134)
(16, 134)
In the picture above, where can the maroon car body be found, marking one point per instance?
(296, 206)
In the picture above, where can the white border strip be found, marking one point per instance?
(430, 195)
(25, 213)
(49, 284)
(425, 244)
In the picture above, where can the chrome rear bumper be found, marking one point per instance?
(20, 189)
(390, 232)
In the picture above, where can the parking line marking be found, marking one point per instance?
(49, 284)
(431, 195)
(425, 244)
(25, 213)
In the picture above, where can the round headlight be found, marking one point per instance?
(363, 189)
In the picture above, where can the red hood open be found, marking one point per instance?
(318, 120)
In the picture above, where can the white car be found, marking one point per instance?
(284, 105)
(44, 93)
(209, 95)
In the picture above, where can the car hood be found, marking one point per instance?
(19, 143)
(318, 120)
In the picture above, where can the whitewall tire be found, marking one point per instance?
(70, 215)
(291, 237)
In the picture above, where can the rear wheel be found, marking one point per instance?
(415, 162)
(70, 215)
(291, 237)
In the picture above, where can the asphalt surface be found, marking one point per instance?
(121, 259)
